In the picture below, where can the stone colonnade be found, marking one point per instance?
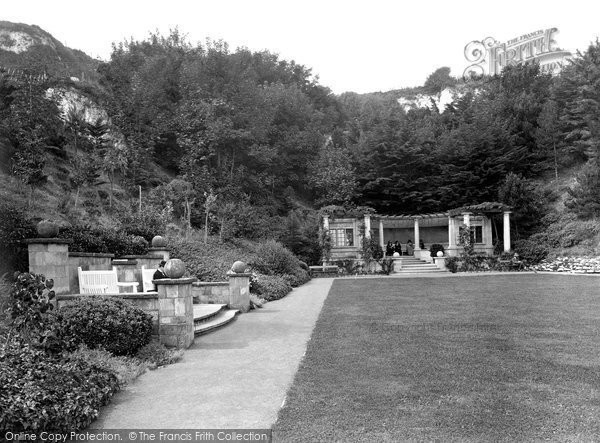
(452, 230)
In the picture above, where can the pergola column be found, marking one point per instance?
(367, 225)
(326, 223)
(381, 241)
(467, 219)
(417, 238)
(506, 225)
(451, 232)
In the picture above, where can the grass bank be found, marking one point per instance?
(465, 359)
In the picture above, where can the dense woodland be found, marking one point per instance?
(244, 144)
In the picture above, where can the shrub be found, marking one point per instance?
(298, 278)
(156, 354)
(15, 226)
(349, 266)
(210, 261)
(47, 393)
(273, 258)
(120, 243)
(387, 265)
(434, 248)
(126, 369)
(271, 287)
(87, 239)
(453, 264)
(149, 222)
(371, 249)
(531, 251)
(109, 322)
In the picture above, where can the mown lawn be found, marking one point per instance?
(485, 358)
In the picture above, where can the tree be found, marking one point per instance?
(578, 96)
(333, 176)
(584, 196)
(113, 159)
(524, 198)
(548, 132)
(439, 80)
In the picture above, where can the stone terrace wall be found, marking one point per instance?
(211, 292)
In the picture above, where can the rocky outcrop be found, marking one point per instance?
(574, 265)
(20, 41)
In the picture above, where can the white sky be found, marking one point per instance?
(361, 46)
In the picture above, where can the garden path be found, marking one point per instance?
(235, 377)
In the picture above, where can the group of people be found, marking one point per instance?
(391, 248)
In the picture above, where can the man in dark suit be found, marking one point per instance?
(160, 272)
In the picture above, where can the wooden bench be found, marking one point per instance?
(511, 265)
(102, 282)
(147, 277)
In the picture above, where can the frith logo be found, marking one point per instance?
(489, 56)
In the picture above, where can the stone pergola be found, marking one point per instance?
(479, 215)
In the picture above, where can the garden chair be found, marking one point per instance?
(147, 277)
(102, 282)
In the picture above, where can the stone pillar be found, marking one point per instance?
(159, 247)
(506, 225)
(440, 262)
(127, 272)
(164, 251)
(367, 225)
(381, 240)
(50, 256)
(451, 233)
(175, 311)
(487, 235)
(417, 236)
(452, 248)
(326, 223)
(239, 291)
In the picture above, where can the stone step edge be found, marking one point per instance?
(424, 271)
(207, 316)
(222, 319)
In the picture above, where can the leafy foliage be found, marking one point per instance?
(434, 248)
(103, 240)
(15, 226)
(271, 287)
(273, 258)
(107, 322)
(45, 393)
(31, 297)
(584, 196)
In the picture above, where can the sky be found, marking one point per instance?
(361, 46)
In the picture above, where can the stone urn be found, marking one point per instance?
(239, 267)
(174, 268)
(158, 242)
(47, 229)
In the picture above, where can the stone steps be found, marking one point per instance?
(411, 265)
(208, 317)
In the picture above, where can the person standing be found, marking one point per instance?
(409, 247)
(389, 249)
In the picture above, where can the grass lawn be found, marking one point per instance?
(483, 358)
